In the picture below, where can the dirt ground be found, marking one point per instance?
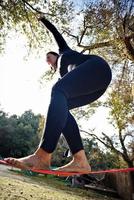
(15, 186)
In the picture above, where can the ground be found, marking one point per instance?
(14, 186)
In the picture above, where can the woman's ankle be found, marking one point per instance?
(80, 155)
(81, 158)
(43, 155)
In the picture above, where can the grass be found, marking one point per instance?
(20, 187)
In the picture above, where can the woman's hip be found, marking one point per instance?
(90, 76)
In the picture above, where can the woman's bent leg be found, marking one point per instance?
(72, 135)
(56, 120)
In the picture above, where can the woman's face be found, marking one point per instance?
(51, 59)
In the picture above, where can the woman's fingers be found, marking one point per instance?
(41, 16)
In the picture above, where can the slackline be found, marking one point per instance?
(64, 173)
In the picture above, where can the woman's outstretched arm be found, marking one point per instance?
(58, 37)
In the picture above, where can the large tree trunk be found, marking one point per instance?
(129, 47)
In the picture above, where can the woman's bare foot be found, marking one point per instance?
(78, 164)
(39, 160)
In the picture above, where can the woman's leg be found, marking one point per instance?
(72, 135)
(56, 119)
(71, 130)
(91, 76)
(88, 78)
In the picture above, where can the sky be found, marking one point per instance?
(19, 79)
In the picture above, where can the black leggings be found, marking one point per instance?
(83, 85)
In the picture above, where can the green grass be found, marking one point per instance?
(25, 187)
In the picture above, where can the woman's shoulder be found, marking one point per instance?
(70, 52)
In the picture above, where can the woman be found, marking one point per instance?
(84, 78)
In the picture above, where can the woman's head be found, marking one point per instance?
(51, 58)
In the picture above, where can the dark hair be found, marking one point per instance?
(54, 53)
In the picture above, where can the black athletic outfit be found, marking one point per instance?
(84, 78)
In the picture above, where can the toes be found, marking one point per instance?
(7, 159)
(10, 161)
(13, 161)
(28, 162)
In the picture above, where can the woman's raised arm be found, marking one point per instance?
(58, 37)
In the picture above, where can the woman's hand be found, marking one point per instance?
(41, 16)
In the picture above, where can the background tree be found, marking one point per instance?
(107, 28)
(22, 16)
(120, 103)
(103, 27)
(18, 135)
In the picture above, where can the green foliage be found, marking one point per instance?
(120, 102)
(99, 159)
(47, 76)
(62, 12)
(18, 135)
(110, 23)
(106, 160)
(106, 28)
(41, 125)
(22, 17)
(87, 111)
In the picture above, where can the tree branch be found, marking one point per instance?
(129, 46)
(125, 65)
(74, 36)
(125, 154)
(83, 32)
(82, 35)
(130, 8)
(128, 134)
(111, 143)
(36, 10)
(89, 47)
(97, 45)
(30, 24)
(109, 146)
(3, 6)
(124, 23)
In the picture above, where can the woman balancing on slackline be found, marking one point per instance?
(84, 78)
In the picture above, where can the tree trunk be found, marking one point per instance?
(129, 47)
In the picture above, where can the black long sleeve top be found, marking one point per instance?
(68, 59)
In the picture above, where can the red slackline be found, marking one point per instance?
(61, 173)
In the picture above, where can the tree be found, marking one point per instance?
(41, 126)
(105, 25)
(120, 103)
(22, 16)
(18, 135)
(3, 118)
(107, 28)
